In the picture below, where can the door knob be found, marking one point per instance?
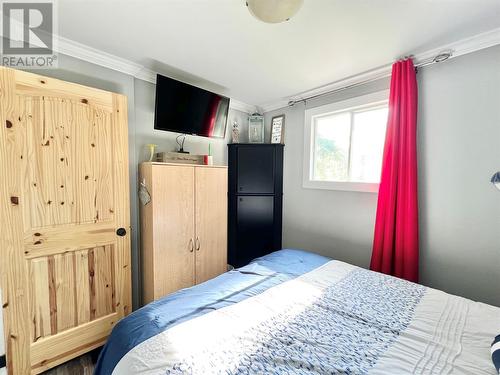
(121, 232)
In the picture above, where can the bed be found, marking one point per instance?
(295, 312)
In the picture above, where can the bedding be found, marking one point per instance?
(294, 312)
(495, 353)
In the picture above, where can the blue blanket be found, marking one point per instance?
(227, 289)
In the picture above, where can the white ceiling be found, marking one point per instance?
(218, 45)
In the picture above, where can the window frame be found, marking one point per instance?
(370, 100)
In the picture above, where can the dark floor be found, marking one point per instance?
(83, 365)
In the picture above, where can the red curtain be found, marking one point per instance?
(395, 244)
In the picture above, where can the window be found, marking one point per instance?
(344, 143)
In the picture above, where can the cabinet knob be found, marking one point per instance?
(121, 232)
(191, 246)
(197, 244)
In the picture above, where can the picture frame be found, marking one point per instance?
(256, 129)
(278, 129)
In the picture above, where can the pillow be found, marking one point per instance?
(495, 353)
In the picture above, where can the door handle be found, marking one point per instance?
(197, 243)
(191, 246)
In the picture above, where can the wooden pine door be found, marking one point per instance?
(64, 218)
(211, 222)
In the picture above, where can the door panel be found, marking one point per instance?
(71, 177)
(211, 222)
(173, 216)
(65, 273)
(78, 286)
(255, 221)
(255, 170)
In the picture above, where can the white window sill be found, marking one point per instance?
(365, 187)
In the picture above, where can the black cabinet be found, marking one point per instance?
(255, 170)
(255, 188)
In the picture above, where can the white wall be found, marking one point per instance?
(459, 150)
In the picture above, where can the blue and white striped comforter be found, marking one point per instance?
(333, 318)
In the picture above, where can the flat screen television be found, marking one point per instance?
(183, 108)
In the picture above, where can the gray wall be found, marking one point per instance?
(459, 135)
(141, 100)
(459, 152)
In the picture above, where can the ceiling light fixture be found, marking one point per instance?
(273, 11)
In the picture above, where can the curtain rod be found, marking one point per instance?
(442, 56)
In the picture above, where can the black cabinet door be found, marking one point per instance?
(255, 223)
(255, 170)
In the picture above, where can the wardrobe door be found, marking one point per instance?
(64, 218)
(255, 170)
(256, 226)
(172, 197)
(211, 222)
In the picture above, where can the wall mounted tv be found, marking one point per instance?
(183, 108)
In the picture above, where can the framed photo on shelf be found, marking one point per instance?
(256, 129)
(278, 129)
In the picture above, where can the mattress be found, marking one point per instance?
(294, 312)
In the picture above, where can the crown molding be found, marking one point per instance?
(83, 52)
(459, 48)
(244, 107)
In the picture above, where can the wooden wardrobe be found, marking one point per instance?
(183, 227)
(64, 218)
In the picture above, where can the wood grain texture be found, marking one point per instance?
(168, 223)
(82, 282)
(188, 207)
(104, 273)
(40, 298)
(65, 274)
(15, 290)
(53, 350)
(211, 222)
(63, 238)
(123, 270)
(69, 163)
(65, 291)
(29, 84)
(174, 228)
(70, 289)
